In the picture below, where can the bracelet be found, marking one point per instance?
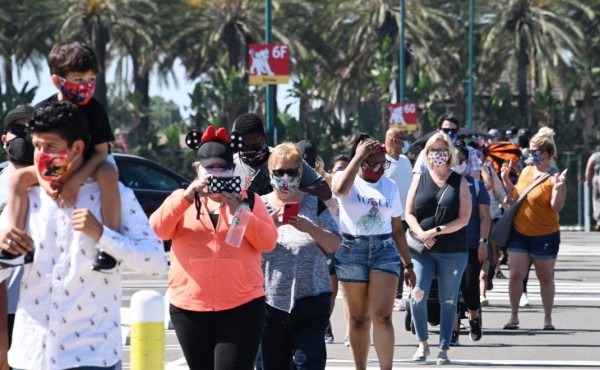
(409, 266)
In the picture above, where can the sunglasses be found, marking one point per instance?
(438, 151)
(448, 131)
(292, 172)
(377, 166)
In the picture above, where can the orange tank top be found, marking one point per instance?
(535, 216)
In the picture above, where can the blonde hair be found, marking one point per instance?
(545, 140)
(452, 152)
(319, 165)
(287, 152)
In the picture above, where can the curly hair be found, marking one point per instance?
(62, 118)
(249, 123)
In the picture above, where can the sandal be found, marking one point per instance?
(511, 326)
(548, 327)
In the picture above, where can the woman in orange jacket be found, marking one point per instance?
(217, 302)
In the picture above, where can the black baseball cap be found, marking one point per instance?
(308, 149)
(215, 152)
(22, 111)
(512, 131)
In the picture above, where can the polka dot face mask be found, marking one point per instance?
(438, 158)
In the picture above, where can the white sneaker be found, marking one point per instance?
(347, 342)
(399, 305)
(524, 302)
(484, 301)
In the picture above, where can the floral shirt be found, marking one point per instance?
(69, 315)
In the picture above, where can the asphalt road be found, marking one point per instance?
(574, 344)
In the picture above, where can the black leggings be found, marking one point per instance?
(220, 340)
(469, 286)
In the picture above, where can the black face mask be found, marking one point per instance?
(254, 157)
(20, 151)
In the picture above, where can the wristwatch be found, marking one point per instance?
(483, 240)
(438, 229)
(409, 266)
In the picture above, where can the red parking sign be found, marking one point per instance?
(403, 116)
(268, 63)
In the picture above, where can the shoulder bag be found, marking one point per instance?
(501, 230)
(414, 244)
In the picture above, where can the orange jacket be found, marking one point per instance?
(206, 274)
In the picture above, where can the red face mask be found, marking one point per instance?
(53, 167)
(372, 176)
(80, 93)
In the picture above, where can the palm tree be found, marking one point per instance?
(24, 37)
(357, 30)
(537, 36)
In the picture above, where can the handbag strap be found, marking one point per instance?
(536, 183)
(439, 196)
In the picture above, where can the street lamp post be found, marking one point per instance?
(402, 51)
(270, 89)
(470, 91)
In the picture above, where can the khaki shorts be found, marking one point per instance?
(485, 267)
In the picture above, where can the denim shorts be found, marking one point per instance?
(360, 255)
(540, 247)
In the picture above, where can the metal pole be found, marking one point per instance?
(402, 56)
(470, 92)
(270, 89)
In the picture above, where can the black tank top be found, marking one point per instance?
(425, 211)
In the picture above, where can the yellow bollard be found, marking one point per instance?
(147, 331)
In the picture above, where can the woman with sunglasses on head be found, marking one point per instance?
(535, 235)
(297, 283)
(373, 242)
(438, 208)
(217, 299)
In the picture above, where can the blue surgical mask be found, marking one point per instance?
(453, 137)
(405, 147)
(536, 158)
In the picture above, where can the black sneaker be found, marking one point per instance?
(104, 263)
(454, 342)
(8, 260)
(476, 332)
(328, 335)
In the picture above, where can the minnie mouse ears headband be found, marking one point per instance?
(195, 139)
(213, 147)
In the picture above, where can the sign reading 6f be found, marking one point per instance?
(268, 63)
(404, 116)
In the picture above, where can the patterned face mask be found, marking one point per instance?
(285, 185)
(438, 158)
(53, 166)
(80, 93)
(536, 158)
(254, 157)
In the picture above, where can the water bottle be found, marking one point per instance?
(238, 225)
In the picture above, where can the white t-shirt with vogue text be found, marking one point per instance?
(369, 207)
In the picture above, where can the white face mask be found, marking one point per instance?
(460, 168)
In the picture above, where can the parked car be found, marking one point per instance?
(151, 182)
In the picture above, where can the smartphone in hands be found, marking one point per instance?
(290, 209)
(217, 185)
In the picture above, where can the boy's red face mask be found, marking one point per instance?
(53, 166)
(79, 93)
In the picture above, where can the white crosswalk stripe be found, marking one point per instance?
(580, 291)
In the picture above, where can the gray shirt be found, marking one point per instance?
(256, 178)
(297, 267)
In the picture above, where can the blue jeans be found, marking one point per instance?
(449, 268)
(295, 340)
